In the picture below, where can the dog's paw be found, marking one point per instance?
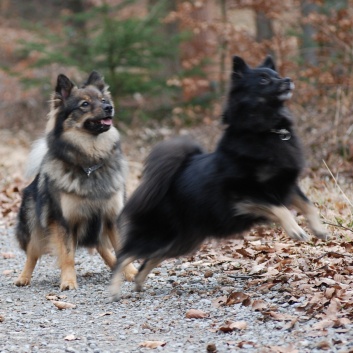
(115, 286)
(321, 235)
(130, 272)
(138, 287)
(115, 297)
(320, 232)
(22, 281)
(298, 234)
(68, 285)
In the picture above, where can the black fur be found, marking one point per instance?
(187, 196)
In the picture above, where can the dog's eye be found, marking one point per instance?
(84, 104)
(103, 100)
(264, 80)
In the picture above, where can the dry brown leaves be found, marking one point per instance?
(316, 278)
(10, 198)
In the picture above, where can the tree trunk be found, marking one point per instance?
(264, 29)
(308, 44)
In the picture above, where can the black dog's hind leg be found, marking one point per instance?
(123, 260)
(144, 270)
(304, 205)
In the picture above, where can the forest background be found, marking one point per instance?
(169, 61)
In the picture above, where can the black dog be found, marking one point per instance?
(187, 196)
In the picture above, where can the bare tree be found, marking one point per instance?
(308, 44)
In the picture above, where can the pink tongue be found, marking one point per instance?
(106, 121)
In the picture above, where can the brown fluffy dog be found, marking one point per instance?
(79, 187)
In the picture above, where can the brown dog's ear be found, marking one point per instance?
(269, 62)
(95, 79)
(63, 87)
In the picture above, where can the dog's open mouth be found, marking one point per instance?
(98, 126)
(106, 121)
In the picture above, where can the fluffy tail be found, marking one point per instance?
(38, 151)
(161, 166)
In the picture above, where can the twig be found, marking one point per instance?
(332, 253)
(244, 276)
(339, 188)
(338, 226)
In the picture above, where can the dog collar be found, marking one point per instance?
(89, 170)
(284, 134)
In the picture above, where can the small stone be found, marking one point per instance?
(208, 274)
(211, 348)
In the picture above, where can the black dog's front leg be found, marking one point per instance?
(305, 206)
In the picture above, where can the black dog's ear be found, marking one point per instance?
(95, 79)
(63, 87)
(239, 66)
(269, 62)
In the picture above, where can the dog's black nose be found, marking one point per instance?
(108, 108)
(287, 80)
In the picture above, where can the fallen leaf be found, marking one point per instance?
(51, 297)
(236, 298)
(246, 252)
(259, 304)
(316, 333)
(246, 344)
(323, 324)
(290, 325)
(196, 314)
(329, 292)
(341, 322)
(231, 326)
(324, 345)
(333, 308)
(339, 278)
(152, 344)
(63, 305)
(280, 316)
(282, 349)
(260, 268)
(2, 318)
(220, 301)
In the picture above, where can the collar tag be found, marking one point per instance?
(284, 134)
(89, 170)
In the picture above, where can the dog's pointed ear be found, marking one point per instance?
(269, 62)
(239, 66)
(63, 87)
(95, 79)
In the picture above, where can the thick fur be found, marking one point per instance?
(67, 204)
(187, 196)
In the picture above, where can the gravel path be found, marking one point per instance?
(32, 323)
